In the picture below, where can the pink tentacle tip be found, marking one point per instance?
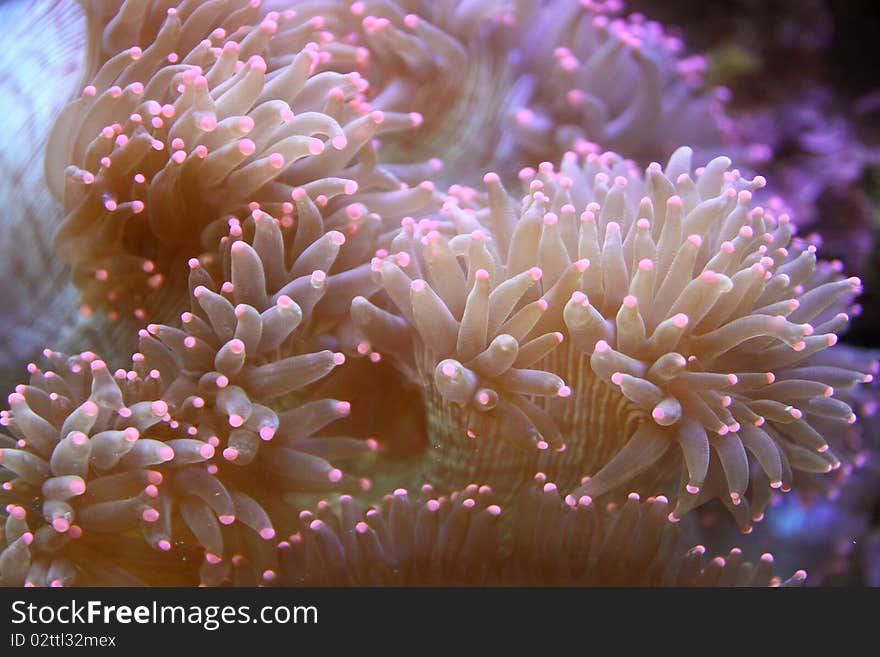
(247, 147)
(245, 125)
(695, 240)
(316, 146)
(257, 63)
(267, 533)
(226, 519)
(681, 320)
(335, 475)
(166, 453)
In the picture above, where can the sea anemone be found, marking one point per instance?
(629, 544)
(431, 540)
(87, 475)
(685, 315)
(415, 53)
(206, 110)
(519, 81)
(718, 338)
(235, 433)
(475, 340)
(240, 367)
(460, 539)
(587, 75)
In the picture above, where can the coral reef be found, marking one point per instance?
(312, 299)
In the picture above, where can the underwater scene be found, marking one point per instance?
(439, 293)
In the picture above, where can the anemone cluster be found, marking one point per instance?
(258, 195)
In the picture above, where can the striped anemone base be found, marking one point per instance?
(596, 421)
(471, 446)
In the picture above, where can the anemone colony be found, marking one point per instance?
(259, 194)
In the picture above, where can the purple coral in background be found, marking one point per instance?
(340, 352)
(816, 160)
